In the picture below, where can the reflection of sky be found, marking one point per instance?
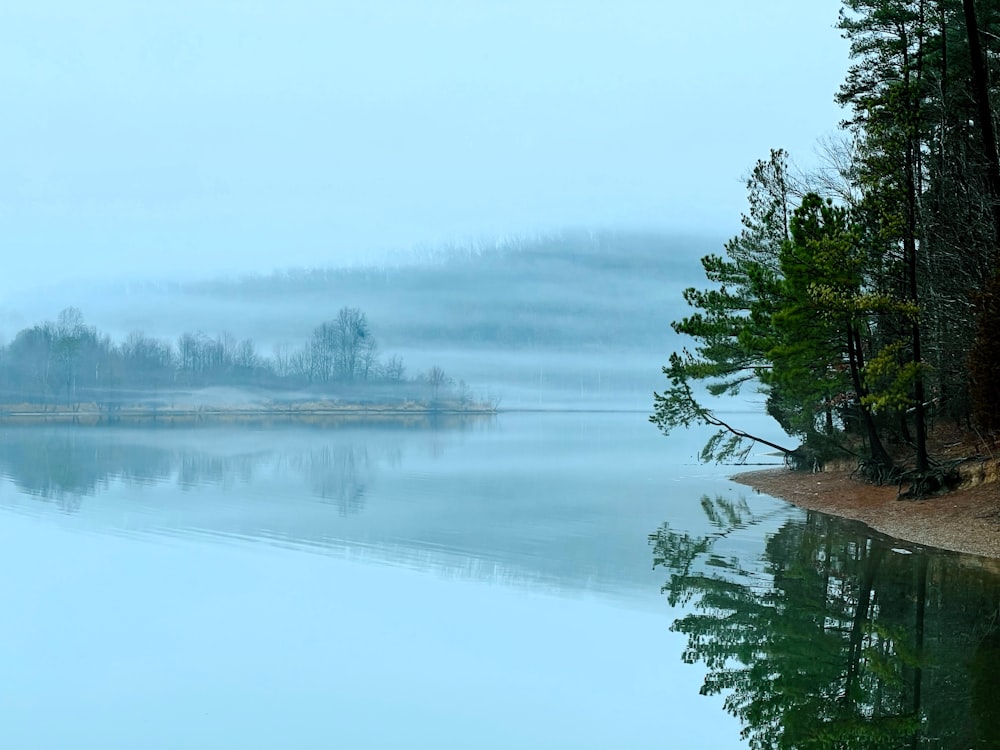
(557, 501)
(189, 616)
(121, 643)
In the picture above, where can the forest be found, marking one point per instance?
(863, 298)
(68, 365)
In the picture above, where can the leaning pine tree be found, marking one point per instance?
(790, 314)
(732, 323)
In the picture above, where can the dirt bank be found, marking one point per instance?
(966, 520)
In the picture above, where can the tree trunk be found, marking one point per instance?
(981, 91)
(878, 454)
(910, 251)
(983, 358)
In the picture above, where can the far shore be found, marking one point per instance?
(965, 520)
(91, 414)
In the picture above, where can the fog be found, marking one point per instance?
(186, 140)
(515, 192)
(271, 270)
(577, 320)
(442, 494)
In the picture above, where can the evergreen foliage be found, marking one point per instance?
(867, 309)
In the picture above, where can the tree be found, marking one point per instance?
(438, 380)
(981, 95)
(983, 358)
(29, 361)
(343, 348)
(877, 315)
(146, 361)
(823, 329)
(811, 344)
(301, 363)
(322, 353)
(884, 90)
(245, 357)
(71, 338)
(732, 321)
(394, 370)
(984, 361)
(282, 359)
(352, 341)
(369, 358)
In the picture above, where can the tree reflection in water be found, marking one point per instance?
(64, 464)
(834, 638)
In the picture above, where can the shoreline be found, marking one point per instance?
(89, 413)
(965, 520)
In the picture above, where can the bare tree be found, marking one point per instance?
(351, 337)
(369, 358)
(300, 364)
(394, 369)
(322, 349)
(438, 381)
(282, 359)
(245, 357)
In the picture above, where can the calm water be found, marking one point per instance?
(529, 581)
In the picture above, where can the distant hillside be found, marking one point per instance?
(590, 290)
(587, 311)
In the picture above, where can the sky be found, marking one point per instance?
(186, 138)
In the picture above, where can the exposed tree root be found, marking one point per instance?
(935, 480)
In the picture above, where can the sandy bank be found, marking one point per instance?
(966, 520)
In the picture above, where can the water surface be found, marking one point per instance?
(491, 584)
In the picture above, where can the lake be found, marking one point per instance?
(530, 580)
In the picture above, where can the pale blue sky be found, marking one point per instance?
(187, 137)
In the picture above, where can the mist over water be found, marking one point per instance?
(526, 578)
(227, 523)
(579, 320)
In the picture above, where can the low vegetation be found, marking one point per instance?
(68, 367)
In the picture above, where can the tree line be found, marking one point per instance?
(67, 362)
(863, 299)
